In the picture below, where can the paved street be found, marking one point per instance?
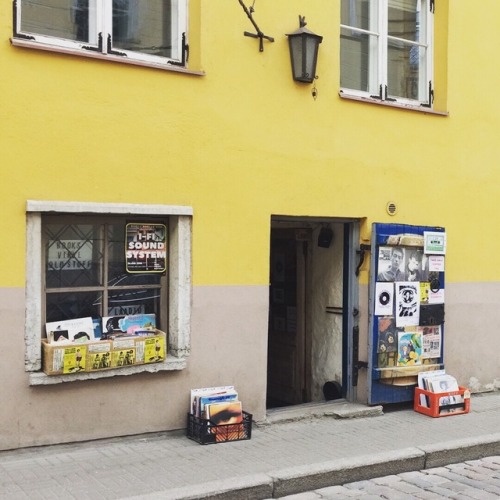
(475, 479)
(331, 444)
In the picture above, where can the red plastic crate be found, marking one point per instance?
(436, 408)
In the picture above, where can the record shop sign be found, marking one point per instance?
(69, 255)
(146, 248)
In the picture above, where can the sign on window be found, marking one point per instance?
(146, 248)
(69, 255)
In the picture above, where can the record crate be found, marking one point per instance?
(206, 432)
(442, 404)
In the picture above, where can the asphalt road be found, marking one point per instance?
(475, 479)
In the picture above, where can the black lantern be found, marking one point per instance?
(304, 45)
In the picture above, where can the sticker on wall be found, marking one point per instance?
(384, 299)
(407, 304)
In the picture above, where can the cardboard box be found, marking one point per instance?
(64, 358)
(103, 355)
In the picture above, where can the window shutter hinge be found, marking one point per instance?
(113, 52)
(388, 98)
(15, 33)
(185, 53)
(99, 45)
(431, 6)
(431, 97)
(379, 96)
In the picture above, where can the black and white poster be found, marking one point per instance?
(407, 303)
(384, 299)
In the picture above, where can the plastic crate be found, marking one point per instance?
(205, 432)
(436, 408)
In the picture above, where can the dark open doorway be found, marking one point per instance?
(310, 310)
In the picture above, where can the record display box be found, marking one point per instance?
(99, 355)
(435, 408)
(205, 432)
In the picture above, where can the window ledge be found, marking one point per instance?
(418, 109)
(170, 364)
(19, 42)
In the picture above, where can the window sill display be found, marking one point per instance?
(80, 345)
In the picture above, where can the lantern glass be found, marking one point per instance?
(304, 47)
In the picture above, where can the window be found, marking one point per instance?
(77, 267)
(85, 269)
(386, 50)
(151, 31)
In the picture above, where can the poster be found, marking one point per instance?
(431, 341)
(384, 295)
(146, 248)
(436, 263)
(407, 303)
(410, 348)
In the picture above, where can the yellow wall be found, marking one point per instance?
(244, 141)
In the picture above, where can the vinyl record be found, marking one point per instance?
(384, 298)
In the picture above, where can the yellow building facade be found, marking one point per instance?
(248, 170)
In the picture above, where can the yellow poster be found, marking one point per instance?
(74, 359)
(154, 349)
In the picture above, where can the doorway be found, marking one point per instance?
(312, 296)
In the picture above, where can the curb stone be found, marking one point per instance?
(461, 450)
(300, 479)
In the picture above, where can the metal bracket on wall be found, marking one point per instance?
(334, 310)
(361, 252)
(260, 35)
(356, 363)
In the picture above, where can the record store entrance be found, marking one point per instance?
(311, 299)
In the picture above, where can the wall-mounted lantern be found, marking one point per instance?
(304, 45)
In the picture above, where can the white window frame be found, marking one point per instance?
(378, 58)
(102, 24)
(180, 285)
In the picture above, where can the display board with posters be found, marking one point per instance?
(406, 326)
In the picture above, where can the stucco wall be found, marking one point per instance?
(326, 330)
(238, 145)
(229, 348)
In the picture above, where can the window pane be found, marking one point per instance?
(406, 61)
(404, 19)
(358, 69)
(68, 19)
(145, 27)
(356, 13)
(73, 255)
(136, 301)
(116, 261)
(62, 306)
(406, 75)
